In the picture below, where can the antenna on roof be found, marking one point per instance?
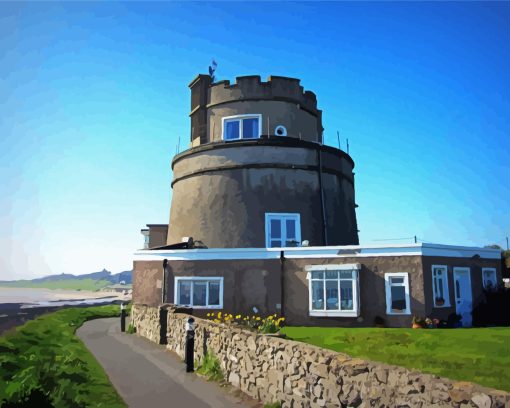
(338, 137)
(347, 146)
(212, 69)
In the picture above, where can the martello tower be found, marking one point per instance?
(257, 173)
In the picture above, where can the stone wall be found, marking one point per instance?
(146, 320)
(300, 375)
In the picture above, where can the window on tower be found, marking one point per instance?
(242, 127)
(283, 230)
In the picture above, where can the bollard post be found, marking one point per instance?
(190, 345)
(122, 317)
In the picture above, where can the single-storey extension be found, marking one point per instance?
(323, 286)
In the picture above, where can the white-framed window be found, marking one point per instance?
(199, 292)
(333, 290)
(283, 230)
(440, 286)
(242, 127)
(397, 293)
(489, 278)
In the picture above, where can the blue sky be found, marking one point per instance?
(93, 99)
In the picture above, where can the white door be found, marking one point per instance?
(463, 296)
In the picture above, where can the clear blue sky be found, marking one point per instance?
(93, 98)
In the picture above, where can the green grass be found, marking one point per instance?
(211, 368)
(480, 355)
(273, 405)
(73, 284)
(44, 364)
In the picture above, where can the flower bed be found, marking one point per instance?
(264, 325)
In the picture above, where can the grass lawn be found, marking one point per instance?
(480, 355)
(72, 284)
(44, 364)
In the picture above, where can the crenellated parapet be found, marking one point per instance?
(280, 102)
(252, 88)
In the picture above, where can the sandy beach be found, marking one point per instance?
(18, 305)
(46, 297)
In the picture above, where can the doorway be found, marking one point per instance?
(463, 295)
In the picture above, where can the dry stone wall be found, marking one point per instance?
(300, 375)
(146, 320)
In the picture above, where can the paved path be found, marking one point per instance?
(147, 375)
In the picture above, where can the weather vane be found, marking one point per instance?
(212, 69)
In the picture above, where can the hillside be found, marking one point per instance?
(89, 281)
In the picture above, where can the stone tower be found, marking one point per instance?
(257, 173)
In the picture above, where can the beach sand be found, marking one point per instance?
(19, 305)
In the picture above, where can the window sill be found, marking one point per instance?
(334, 313)
(442, 306)
(201, 307)
(405, 313)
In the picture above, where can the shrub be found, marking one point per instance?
(494, 310)
(276, 404)
(131, 329)
(379, 322)
(210, 367)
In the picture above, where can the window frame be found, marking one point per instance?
(356, 301)
(388, 286)
(283, 217)
(495, 272)
(208, 279)
(240, 118)
(446, 288)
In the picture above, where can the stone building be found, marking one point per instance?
(263, 220)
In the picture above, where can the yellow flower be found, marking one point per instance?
(257, 318)
(219, 315)
(238, 316)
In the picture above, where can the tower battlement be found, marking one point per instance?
(280, 103)
(252, 88)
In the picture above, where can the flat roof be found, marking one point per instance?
(345, 251)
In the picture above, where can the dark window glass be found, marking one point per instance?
(276, 229)
(332, 295)
(184, 293)
(232, 130)
(199, 293)
(214, 293)
(250, 128)
(398, 298)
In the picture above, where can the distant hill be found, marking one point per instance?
(88, 281)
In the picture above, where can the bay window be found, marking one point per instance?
(333, 290)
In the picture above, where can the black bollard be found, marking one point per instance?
(190, 345)
(122, 318)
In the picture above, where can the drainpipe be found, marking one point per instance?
(319, 160)
(282, 286)
(163, 289)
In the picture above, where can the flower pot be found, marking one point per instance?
(417, 326)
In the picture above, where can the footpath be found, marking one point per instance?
(147, 375)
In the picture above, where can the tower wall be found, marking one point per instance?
(221, 192)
